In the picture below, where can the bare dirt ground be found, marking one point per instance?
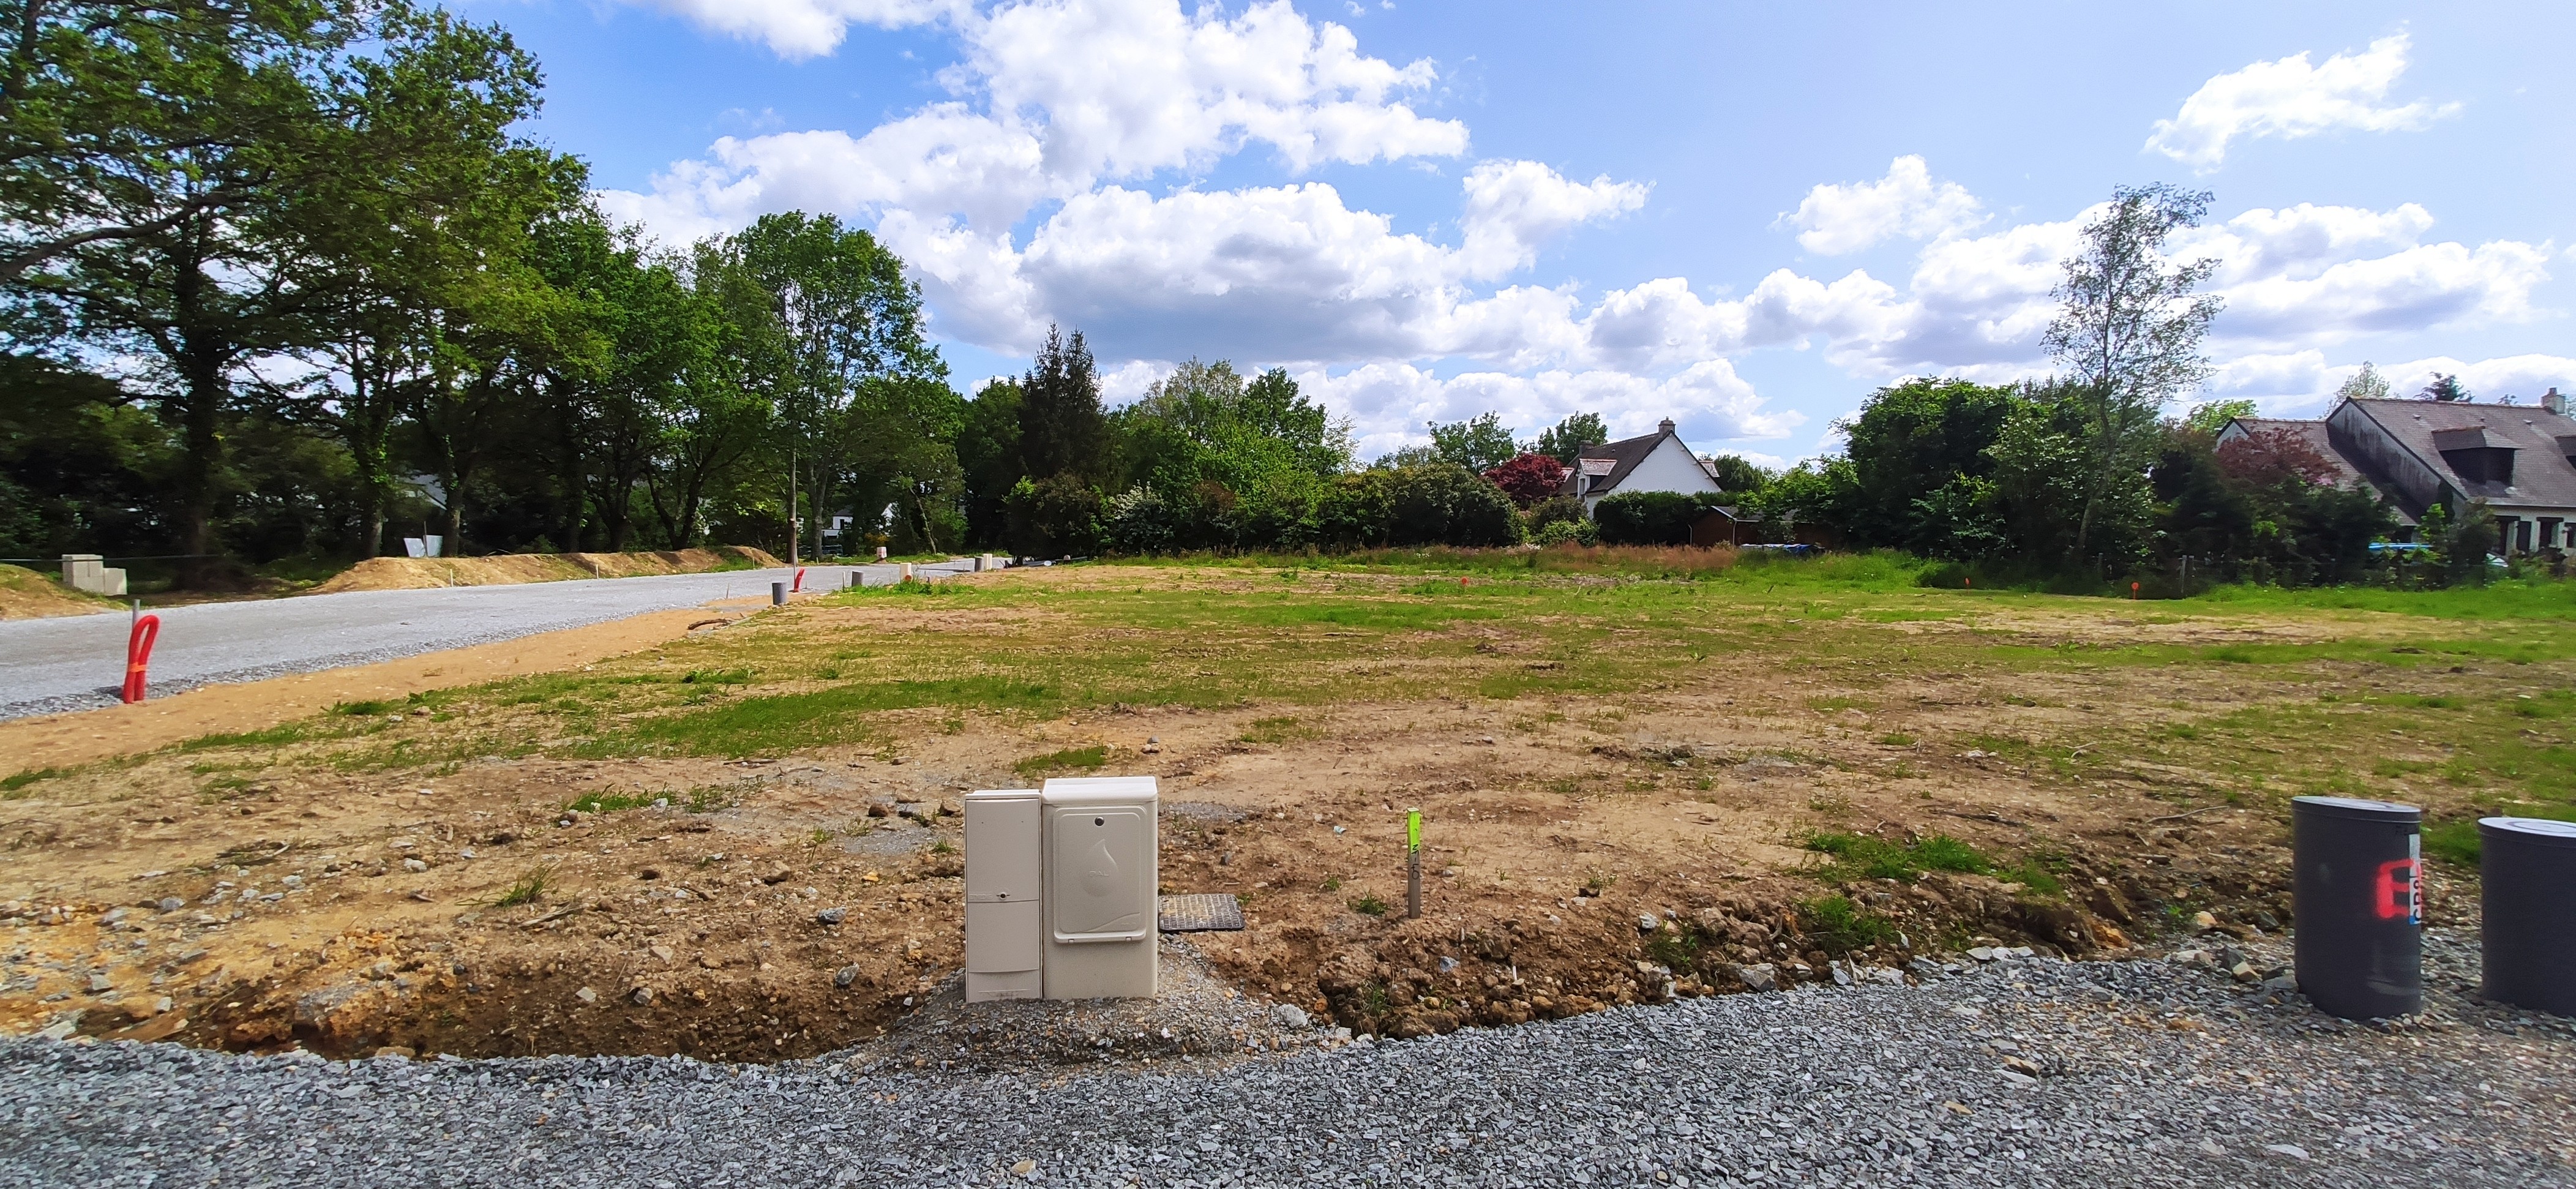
(28, 594)
(64, 740)
(419, 573)
(1584, 849)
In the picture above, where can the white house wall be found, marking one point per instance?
(1671, 467)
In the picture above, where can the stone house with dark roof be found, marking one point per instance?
(2518, 460)
(1653, 462)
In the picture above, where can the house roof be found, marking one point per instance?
(2314, 434)
(1610, 462)
(2542, 474)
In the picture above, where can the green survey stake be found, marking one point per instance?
(1413, 829)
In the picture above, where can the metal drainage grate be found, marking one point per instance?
(1202, 913)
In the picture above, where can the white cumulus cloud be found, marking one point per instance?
(1062, 181)
(1388, 403)
(2290, 98)
(798, 29)
(1838, 218)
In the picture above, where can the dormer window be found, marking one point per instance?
(2474, 456)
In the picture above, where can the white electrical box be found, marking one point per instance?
(1101, 879)
(1004, 914)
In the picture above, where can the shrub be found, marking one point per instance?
(1355, 510)
(1550, 511)
(1568, 532)
(1055, 516)
(1138, 521)
(1647, 517)
(1447, 504)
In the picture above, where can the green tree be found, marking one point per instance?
(2043, 474)
(158, 163)
(1063, 430)
(853, 326)
(988, 452)
(1480, 443)
(2129, 332)
(400, 248)
(1908, 441)
(1565, 440)
(1737, 475)
(2366, 384)
(2444, 388)
(2212, 416)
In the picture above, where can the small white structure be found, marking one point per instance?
(1062, 890)
(83, 572)
(1003, 903)
(1103, 872)
(1655, 462)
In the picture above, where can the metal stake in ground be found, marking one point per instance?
(1412, 864)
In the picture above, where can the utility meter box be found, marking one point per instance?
(1101, 878)
(1004, 912)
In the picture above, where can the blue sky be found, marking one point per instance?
(1741, 216)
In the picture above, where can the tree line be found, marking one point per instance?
(280, 281)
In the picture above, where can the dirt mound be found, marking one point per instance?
(26, 594)
(414, 573)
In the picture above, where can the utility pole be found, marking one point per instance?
(791, 504)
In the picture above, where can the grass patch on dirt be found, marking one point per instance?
(2457, 841)
(14, 785)
(1837, 926)
(1083, 759)
(612, 801)
(2264, 707)
(1865, 857)
(529, 889)
(1279, 729)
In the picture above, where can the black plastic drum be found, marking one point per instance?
(2358, 885)
(2527, 869)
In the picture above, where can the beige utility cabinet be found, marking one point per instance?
(1004, 915)
(1101, 882)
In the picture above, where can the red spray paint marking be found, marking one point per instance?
(2395, 889)
(138, 654)
(800, 581)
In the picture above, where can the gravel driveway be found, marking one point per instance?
(76, 662)
(2149, 1073)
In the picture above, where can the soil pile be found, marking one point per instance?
(26, 594)
(415, 573)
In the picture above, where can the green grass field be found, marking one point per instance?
(2459, 700)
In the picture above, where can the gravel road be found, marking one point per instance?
(76, 662)
(2149, 1073)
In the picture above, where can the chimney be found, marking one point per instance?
(2550, 401)
(1667, 425)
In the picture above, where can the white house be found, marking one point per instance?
(1656, 462)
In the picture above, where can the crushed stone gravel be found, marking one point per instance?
(2018, 1070)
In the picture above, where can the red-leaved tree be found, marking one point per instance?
(2271, 457)
(1528, 478)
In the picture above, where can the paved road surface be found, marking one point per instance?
(76, 662)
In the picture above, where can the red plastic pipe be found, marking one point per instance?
(800, 580)
(138, 654)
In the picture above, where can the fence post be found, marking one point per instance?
(1413, 864)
